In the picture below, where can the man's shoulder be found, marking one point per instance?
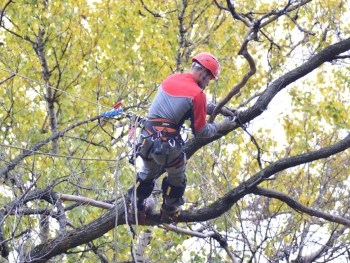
(182, 82)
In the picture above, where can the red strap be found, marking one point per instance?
(117, 105)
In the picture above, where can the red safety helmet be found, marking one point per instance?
(208, 61)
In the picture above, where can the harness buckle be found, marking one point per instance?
(171, 142)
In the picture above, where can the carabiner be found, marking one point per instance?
(171, 142)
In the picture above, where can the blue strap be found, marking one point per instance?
(112, 113)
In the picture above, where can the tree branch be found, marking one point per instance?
(213, 234)
(85, 201)
(298, 206)
(4, 249)
(235, 90)
(116, 215)
(224, 204)
(327, 54)
(255, 25)
(3, 11)
(37, 146)
(8, 78)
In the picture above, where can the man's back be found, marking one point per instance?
(179, 98)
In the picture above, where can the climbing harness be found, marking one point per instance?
(162, 132)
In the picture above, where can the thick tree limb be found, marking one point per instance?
(116, 215)
(224, 204)
(75, 238)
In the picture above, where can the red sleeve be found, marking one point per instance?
(199, 112)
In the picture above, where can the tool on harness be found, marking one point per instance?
(134, 153)
(157, 144)
(134, 122)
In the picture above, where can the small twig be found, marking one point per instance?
(236, 89)
(3, 10)
(258, 157)
(8, 78)
(151, 12)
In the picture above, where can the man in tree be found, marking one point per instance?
(179, 97)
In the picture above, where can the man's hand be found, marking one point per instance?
(228, 112)
(227, 123)
(224, 110)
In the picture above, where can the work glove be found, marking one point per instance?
(227, 123)
(224, 110)
(228, 112)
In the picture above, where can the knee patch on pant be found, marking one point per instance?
(171, 190)
(144, 188)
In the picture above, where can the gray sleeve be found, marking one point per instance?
(210, 107)
(209, 130)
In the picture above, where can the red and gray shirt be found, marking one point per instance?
(180, 98)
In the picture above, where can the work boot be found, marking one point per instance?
(144, 208)
(169, 213)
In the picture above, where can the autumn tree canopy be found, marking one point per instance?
(272, 189)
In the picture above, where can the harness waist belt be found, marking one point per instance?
(160, 127)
